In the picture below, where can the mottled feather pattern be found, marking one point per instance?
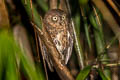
(57, 24)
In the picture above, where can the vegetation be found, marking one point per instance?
(96, 40)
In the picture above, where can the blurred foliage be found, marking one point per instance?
(102, 75)
(77, 44)
(42, 4)
(32, 12)
(84, 73)
(86, 16)
(99, 37)
(13, 59)
(83, 2)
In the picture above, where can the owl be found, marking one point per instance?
(57, 23)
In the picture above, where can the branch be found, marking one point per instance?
(4, 21)
(108, 17)
(61, 69)
(63, 5)
(53, 4)
(114, 7)
(107, 65)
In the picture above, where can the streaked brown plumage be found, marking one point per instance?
(58, 25)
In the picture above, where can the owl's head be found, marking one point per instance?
(56, 17)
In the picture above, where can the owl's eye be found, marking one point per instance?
(54, 18)
(63, 17)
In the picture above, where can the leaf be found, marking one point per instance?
(13, 59)
(32, 13)
(7, 54)
(77, 44)
(93, 21)
(43, 5)
(87, 34)
(84, 73)
(83, 2)
(102, 75)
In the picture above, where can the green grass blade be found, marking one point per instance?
(83, 2)
(102, 75)
(43, 5)
(36, 19)
(96, 21)
(11, 67)
(28, 67)
(7, 54)
(87, 34)
(10, 53)
(84, 73)
(77, 44)
(84, 11)
(32, 13)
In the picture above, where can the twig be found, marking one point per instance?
(63, 6)
(114, 7)
(111, 42)
(61, 69)
(53, 4)
(108, 17)
(37, 46)
(77, 40)
(38, 40)
(112, 65)
(42, 52)
(107, 65)
(31, 9)
(4, 20)
(99, 38)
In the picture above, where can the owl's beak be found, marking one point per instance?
(61, 23)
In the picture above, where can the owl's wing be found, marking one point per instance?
(47, 58)
(68, 51)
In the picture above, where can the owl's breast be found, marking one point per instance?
(60, 41)
(59, 36)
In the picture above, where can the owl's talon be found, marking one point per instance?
(61, 56)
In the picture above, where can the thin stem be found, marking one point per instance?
(77, 40)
